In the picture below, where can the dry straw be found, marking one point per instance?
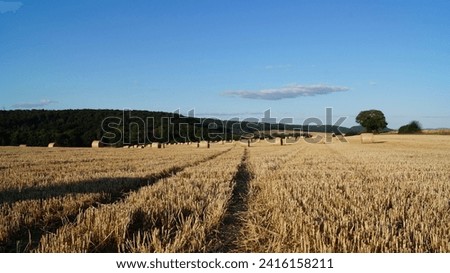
(367, 138)
(203, 144)
(305, 198)
(279, 140)
(158, 145)
(97, 144)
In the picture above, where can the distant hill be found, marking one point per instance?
(357, 129)
(78, 128)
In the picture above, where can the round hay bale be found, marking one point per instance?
(367, 138)
(52, 144)
(157, 145)
(277, 141)
(97, 144)
(203, 144)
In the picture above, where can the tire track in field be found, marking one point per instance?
(27, 238)
(230, 228)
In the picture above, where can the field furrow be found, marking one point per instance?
(229, 232)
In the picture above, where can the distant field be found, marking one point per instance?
(437, 131)
(429, 132)
(392, 195)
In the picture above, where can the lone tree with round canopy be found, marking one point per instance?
(373, 120)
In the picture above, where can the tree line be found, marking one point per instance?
(78, 128)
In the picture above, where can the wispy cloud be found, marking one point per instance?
(287, 92)
(30, 105)
(9, 6)
(372, 83)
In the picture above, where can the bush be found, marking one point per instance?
(413, 127)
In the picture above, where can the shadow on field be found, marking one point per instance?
(27, 238)
(117, 187)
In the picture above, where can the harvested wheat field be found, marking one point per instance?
(392, 195)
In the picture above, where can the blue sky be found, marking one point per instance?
(230, 58)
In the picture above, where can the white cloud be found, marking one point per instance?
(30, 105)
(286, 92)
(9, 6)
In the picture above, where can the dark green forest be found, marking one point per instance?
(78, 128)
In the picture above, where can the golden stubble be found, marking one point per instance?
(392, 195)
